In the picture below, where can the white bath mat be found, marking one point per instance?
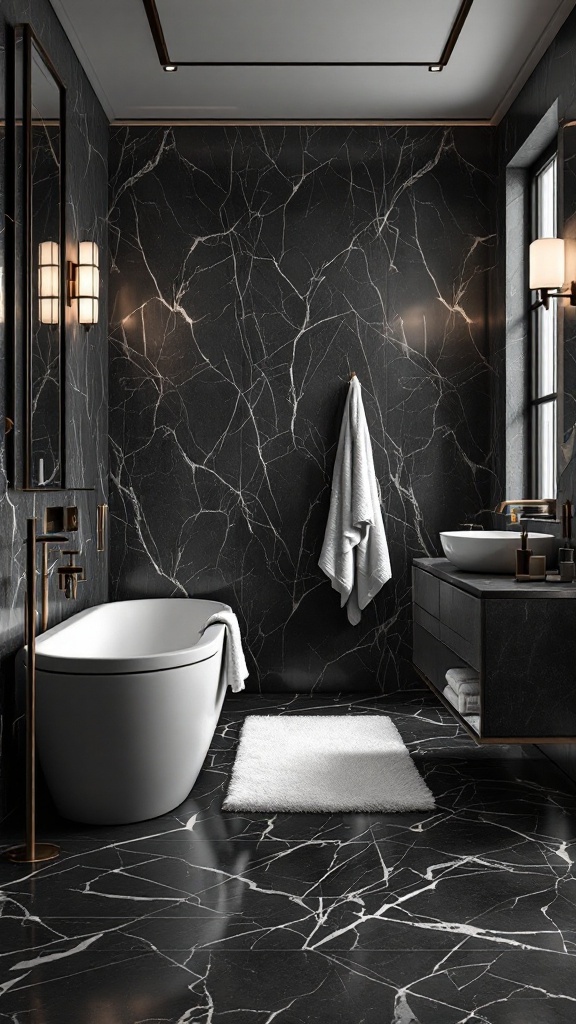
(324, 763)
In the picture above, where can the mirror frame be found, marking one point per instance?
(19, 202)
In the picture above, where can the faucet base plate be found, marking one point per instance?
(42, 851)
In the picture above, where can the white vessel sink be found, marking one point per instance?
(493, 550)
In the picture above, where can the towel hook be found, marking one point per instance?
(353, 374)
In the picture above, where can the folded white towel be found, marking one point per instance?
(466, 689)
(473, 720)
(355, 552)
(235, 667)
(466, 704)
(463, 681)
(465, 685)
(460, 677)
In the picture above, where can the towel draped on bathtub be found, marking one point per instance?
(235, 667)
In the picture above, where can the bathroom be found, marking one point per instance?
(250, 260)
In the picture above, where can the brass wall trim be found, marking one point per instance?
(54, 490)
(164, 57)
(102, 527)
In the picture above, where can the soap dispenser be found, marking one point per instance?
(566, 552)
(523, 555)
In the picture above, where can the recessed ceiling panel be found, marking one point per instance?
(499, 44)
(398, 31)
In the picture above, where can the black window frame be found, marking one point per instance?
(536, 401)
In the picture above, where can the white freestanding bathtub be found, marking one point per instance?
(128, 697)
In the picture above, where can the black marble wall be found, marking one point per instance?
(86, 379)
(251, 270)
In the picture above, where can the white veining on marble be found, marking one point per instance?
(252, 269)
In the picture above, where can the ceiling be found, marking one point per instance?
(499, 44)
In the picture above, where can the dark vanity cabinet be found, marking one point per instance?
(519, 637)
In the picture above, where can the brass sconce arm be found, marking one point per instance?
(547, 271)
(547, 293)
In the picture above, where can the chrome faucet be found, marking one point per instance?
(550, 504)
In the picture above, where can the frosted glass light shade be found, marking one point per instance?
(49, 283)
(88, 282)
(547, 263)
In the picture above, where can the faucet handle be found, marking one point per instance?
(71, 552)
(70, 575)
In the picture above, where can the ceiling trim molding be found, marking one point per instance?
(533, 59)
(299, 123)
(165, 59)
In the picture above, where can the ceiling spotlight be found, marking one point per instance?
(170, 67)
(435, 67)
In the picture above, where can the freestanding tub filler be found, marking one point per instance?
(128, 697)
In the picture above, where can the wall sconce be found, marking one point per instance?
(547, 271)
(49, 283)
(84, 283)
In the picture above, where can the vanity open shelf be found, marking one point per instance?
(519, 637)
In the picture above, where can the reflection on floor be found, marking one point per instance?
(466, 914)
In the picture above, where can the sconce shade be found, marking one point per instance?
(49, 283)
(88, 282)
(547, 267)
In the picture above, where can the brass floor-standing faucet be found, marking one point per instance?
(33, 851)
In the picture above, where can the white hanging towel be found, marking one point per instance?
(234, 661)
(355, 553)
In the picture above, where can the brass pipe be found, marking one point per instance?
(31, 690)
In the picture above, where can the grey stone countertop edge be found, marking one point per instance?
(493, 586)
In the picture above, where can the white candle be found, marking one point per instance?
(41, 480)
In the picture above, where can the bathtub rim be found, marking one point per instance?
(209, 644)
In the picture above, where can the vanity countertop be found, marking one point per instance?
(500, 587)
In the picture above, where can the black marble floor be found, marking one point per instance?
(460, 916)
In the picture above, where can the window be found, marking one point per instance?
(543, 397)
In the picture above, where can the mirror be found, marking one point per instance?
(39, 266)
